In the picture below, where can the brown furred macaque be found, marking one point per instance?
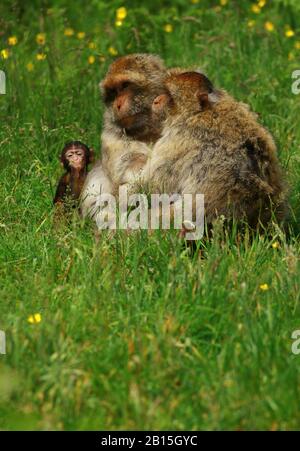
(212, 144)
(129, 88)
(129, 130)
(75, 158)
(164, 104)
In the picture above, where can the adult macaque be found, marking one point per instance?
(213, 145)
(75, 158)
(130, 130)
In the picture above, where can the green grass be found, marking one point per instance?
(136, 333)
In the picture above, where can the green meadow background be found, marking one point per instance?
(137, 332)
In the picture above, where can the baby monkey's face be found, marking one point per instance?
(75, 158)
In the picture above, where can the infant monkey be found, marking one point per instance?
(75, 158)
(213, 145)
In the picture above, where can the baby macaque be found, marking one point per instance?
(213, 145)
(75, 158)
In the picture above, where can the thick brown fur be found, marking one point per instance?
(130, 130)
(213, 145)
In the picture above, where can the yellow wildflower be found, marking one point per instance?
(289, 33)
(291, 56)
(118, 23)
(112, 51)
(41, 56)
(35, 318)
(223, 2)
(41, 38)
(168, 28)
(91, 59)
(264, 287)
(275, 245)
(255, 9)
(102, 59)
(29, 67)
(81, 35)
(269, 26)
(251, 23)
(121, 13)
(92, 45)
(69, 32)
(195, 2)
(4, 54)
(261, 3)
(297, 45)
(12, 40)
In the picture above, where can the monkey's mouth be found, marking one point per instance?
(134, 122)
(76, 164)
(127, 122)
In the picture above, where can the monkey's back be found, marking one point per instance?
(225, 154)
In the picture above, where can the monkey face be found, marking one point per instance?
(75, 158)
(122, 98)
(129, 88)
(130, 104)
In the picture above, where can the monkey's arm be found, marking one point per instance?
(96, 183)
(61, 189)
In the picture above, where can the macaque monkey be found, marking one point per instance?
(75, 158)
(130, 129)
(213, 145)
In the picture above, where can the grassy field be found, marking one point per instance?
(134, 332)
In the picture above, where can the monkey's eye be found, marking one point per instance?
(110, 95)
(125, 85)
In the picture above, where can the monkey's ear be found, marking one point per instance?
(204, 101)
(160, 102)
